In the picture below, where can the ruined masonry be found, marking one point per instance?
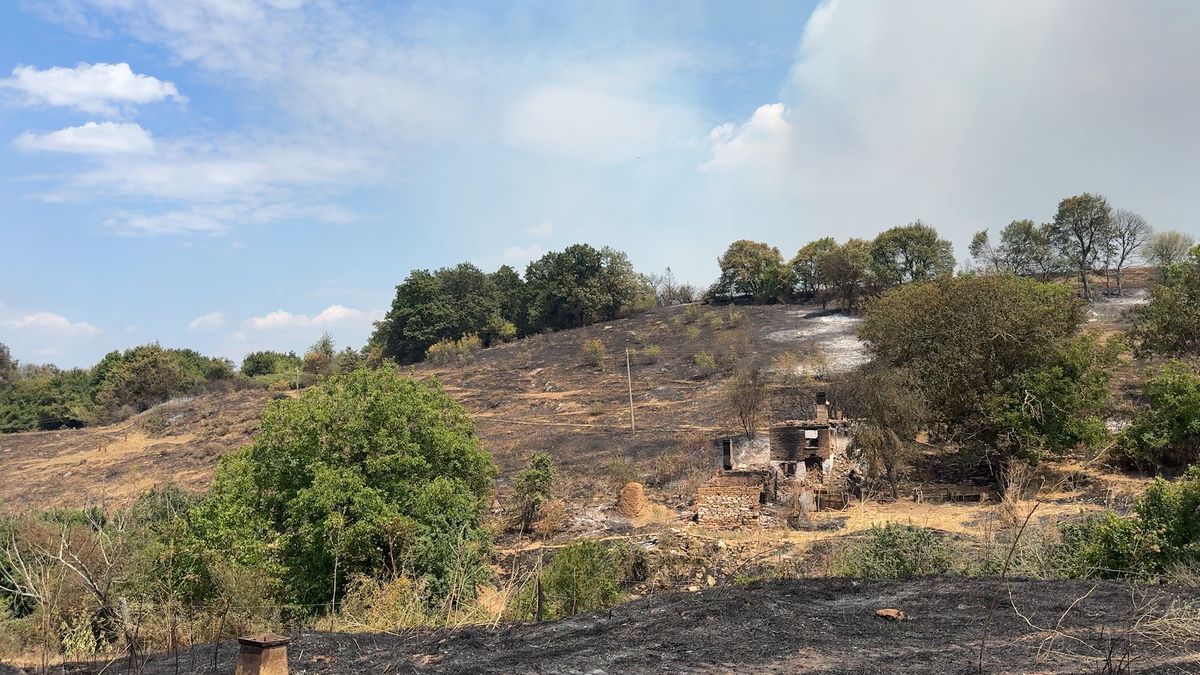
(802, 465)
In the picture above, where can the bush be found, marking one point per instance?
(371, 472)
(692, 314)
(1164, 537)
(583, 577)
(649, 354)
(594, 352)
(1167, 431)
(705, 363)
(451, 351)
(895, 552)
(532, 490)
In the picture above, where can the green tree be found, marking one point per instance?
(581, 285)
(908, 253)
(1081, 230)
(1168, 248)
(143, 376)
(808, 270)
(891, 411)
(752, 269)
(1170, 323)
(1026, 250)
(847, 270)
(511, 295)
(349, 360)
(318, 360)
(433, 306)
(1167, 430)
(261, 363)
(8, 366)
(368, 474)
(532, 489)
(998, 360)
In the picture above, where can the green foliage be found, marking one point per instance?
(705, 363)
(1080, 233)
(1169, 248)
(1164, 537)
(895, 551)
(846, 271)
(1167, 430)
(143, 376)
(809, 273)
(451, 351)
(582, 577)
(532, 489)
(433, 306)
(649, 354)
(909, 253)
(581, 285)
(593, 352)
(8, 366)
(1170, 323)
(752, 270)
(370, 472)
(318, 360)
(269, 363)
(50, 399)
(998, 361)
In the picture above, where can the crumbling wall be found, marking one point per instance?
(728, 506)
(751, 452)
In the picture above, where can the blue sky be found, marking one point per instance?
(232, 175)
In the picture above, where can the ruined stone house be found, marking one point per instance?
(798, 464)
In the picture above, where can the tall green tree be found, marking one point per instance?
(433, 306)
(847, 270)
(752, 269)
(1168, 248)
(808, 272)
(8, 366)
(1081, 230)
(582, 285)
(908, 253)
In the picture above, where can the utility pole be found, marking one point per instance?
(629, 378)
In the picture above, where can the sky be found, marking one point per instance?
(234, 175)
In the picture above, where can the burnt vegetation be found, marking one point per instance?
(460, 468)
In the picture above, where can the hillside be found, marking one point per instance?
(539, 393)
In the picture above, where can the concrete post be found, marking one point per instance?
(263, 655)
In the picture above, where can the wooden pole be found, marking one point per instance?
(629, 378)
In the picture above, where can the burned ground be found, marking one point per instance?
(816, 625)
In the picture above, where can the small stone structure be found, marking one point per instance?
(733, 499)
(803, 464)
(263, 655)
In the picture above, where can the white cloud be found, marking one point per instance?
(205, 322)
(760, 140)
(92, 138)
(970, 115)
(101, 88)
(542, 229)
(332, 315)
(48, 323)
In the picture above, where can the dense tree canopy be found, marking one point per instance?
(754, 270)
(997, 359)
(908, 253)
(371, 472)
(582, 285)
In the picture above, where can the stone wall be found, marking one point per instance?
(728, 506)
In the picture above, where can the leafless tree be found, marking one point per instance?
(745, 396)
(1129, 233)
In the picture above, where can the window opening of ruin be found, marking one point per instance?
(727, 454)
(812, 463)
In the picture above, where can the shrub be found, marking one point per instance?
(705, 363)
(735, 317)
(532, 489)
(649, 354)
(692, 314)
(693, 333)
(895, 551)
(714, 320)
(1167, 430)
(1165, 535)
(583, 577)
(451, 351)
(383, 605)
(594, 352)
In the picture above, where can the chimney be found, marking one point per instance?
(821, 408)
(263, 655)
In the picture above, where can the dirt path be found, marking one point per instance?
(818, 625)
